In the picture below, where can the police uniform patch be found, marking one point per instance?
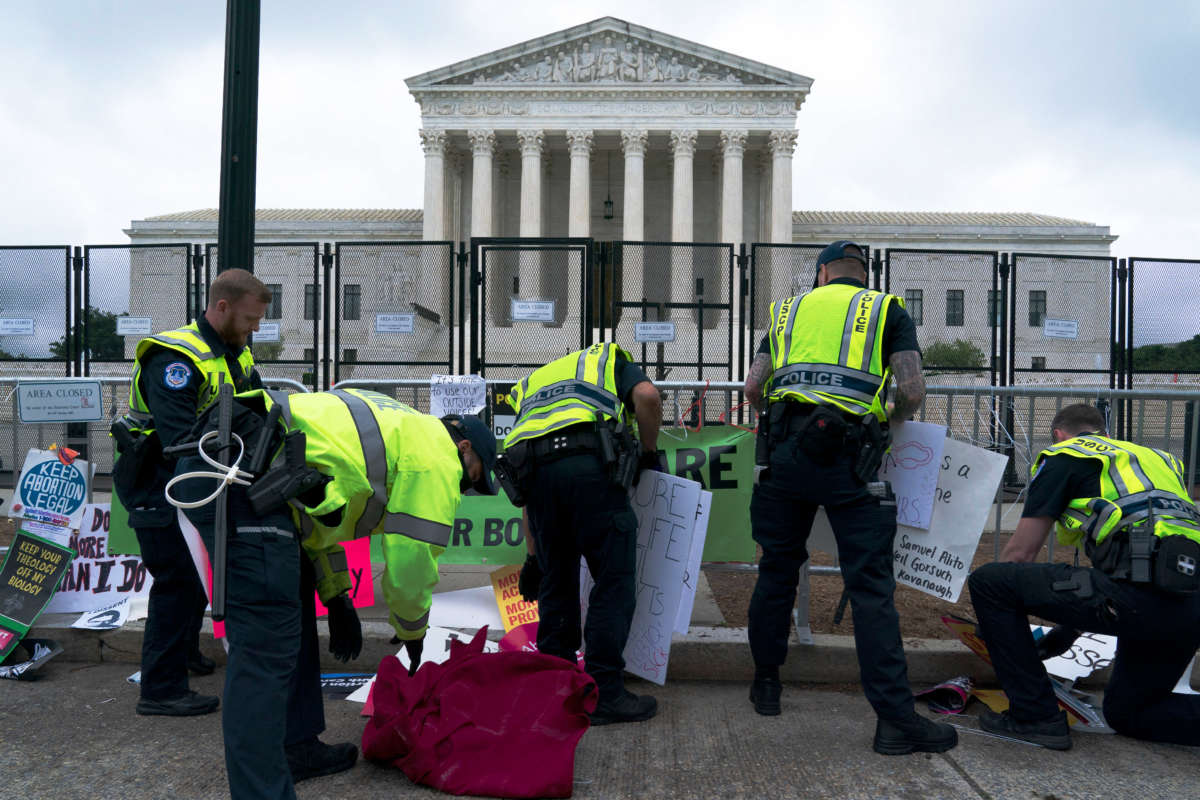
(176, 375)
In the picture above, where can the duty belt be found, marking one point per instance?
(553, 446)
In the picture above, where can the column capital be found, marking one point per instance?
(633, 141)
(733, 142)
(782, 143)
(579, 141)
(683, 142)
(483, 141)
(433, 142)
(531, 141)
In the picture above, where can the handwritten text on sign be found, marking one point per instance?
(456, 394)
(96, 578)
(912, 466)
(937, 561)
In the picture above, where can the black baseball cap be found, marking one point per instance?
(483, 442)
(837, 250)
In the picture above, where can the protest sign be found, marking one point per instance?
(435, 651)
(108, 618)
(937, 561)
(912, 466)
(50, 489)
(362, 585)
(514, 610)
(32, 568)
(456, 394)
(40, 651)
(96, 578)
(666, 507)
(1090, 652)
(691, 573)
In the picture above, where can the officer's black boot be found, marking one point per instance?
(1053, 732)
(188, 704)
(627, 707)
(913, 735)
(766, 690)
(312, 758)
(200, 664)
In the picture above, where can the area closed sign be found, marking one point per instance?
(59, 401)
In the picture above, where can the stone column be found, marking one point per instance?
(579, 203)
(434, 144)
(633, 227)
(733, 148)
(782, 144)
(531, 182)
(483, 144)
(683, 145)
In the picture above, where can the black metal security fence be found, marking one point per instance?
(365, 309)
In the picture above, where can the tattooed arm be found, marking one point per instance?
(910, 384)
(756, 378)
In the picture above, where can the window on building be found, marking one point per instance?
(311, 309)
(275, 307)
(1039, 362)
(351, 301)
(310, 354)
(1037, 308)
(914, 301)
(350, 355)
(954, 308)
(995, 311)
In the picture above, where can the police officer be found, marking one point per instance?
(819, 380)
(1126, 506)
(392, 471)
(174, 381)
(568, 460)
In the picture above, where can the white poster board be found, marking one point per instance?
(106, 618)
(1090, 652)
(936, 561)
(456, 394)
(691, 574)
(666, 507)
(912, 466)
(97, 579)
(51, 491)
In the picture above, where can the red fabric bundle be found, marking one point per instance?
(503, 724)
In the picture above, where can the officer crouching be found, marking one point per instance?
(819, 380)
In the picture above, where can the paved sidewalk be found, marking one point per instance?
(73, 734)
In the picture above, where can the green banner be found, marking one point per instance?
(488, 529)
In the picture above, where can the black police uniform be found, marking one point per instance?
(177, 598)
(1157, 632)
(575, 509)
(782, 509)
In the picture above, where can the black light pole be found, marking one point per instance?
(239, 136)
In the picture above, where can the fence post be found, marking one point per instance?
(327, 264)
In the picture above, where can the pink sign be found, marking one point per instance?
(362, 588)
(524, 637)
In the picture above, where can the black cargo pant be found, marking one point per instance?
(272, 678)
(176, 607)
(575, 510)
(781, 517)
(1157, 636)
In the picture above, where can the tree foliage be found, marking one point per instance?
(959, 353)
(267, 351)
(1177, 357)
(104, 342)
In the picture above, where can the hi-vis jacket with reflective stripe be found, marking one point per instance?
(187, 341)
(1134, 481)
(580, 387)
(395, 471)
(827, 349)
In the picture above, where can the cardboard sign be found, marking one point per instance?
(31, 570)
(514, 610)
(912, 467)
(50, 491)
(67, 400)
(362, 585)
(456, 394)
(937, 561)
(107, 618)
(691, 575)
(96, 578)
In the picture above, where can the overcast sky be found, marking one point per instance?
(111, 111)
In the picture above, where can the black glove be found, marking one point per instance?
(345, 631)
(1056, 642)
(530, 582)
(414, 648)
(648, 460)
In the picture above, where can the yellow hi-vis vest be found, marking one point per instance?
(395, 472)
(580, 387)
(827, 349)
(1134, 480)
(212, 367)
